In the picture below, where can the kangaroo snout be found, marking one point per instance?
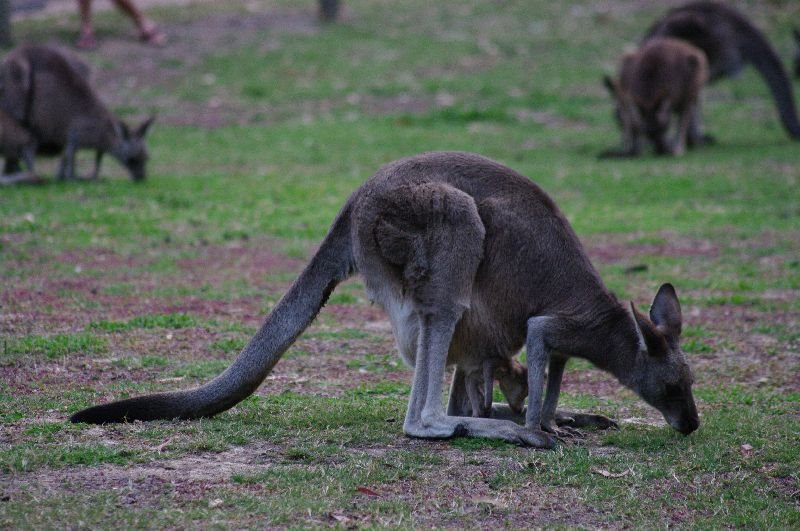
(686, 423)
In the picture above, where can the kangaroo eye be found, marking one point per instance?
(673, 391)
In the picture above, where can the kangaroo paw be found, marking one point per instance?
(585, 420)
(536, 439)
(443, 428)
(562, 432)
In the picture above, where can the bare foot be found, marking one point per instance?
(86, 41)
(150, 34)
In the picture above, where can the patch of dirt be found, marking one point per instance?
(459, 486)
(144, 484)
(743, 356)
(80, 296)
(149, 79)
(616, 249)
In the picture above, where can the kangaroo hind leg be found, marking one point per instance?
(434, 235)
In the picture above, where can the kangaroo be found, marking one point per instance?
(662, 78)
(470, 260)
(50, 96)
(16, 142)
(513, 379)
(730, 42)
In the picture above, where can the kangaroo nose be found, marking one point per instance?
(689, 425)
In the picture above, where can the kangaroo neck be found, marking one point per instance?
(606, 337)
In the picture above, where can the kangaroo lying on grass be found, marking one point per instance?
(661, 79)
(470, 260)
(730, 41)
(16, 142)
(49, 94)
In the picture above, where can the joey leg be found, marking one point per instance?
(459, 404)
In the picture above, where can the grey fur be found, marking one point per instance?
(479, 380)
(471, 261)
(730, 41)
(16, 142)
(47, 91)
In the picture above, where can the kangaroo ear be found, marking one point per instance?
(122, 130)
(650, 338)
(666, 312)
(610, 85)
(142, 129)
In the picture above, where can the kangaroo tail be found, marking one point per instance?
(331, 264)
(761, 55)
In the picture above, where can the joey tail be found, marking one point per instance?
(329, 266)
(761, 55)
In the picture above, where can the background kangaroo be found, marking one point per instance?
(730, 41)
(470, 260)
(49, 94)
(662, 78)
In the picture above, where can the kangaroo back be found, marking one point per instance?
(46, 91)
(331, 264)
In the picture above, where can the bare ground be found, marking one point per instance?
(43, 303)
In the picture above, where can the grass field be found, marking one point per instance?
(266, 122)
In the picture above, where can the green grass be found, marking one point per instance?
(172, 320)
(50, 347)
(230, 213)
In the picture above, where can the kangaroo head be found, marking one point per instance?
(626, 113)
(656, 119)
(514, 384)
(130, 148)
(661, 375)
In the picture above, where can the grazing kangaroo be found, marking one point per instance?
(513, 379)
(50, 96)
(16, 142)
(730, 41)
(470, 260)
(661, 79)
